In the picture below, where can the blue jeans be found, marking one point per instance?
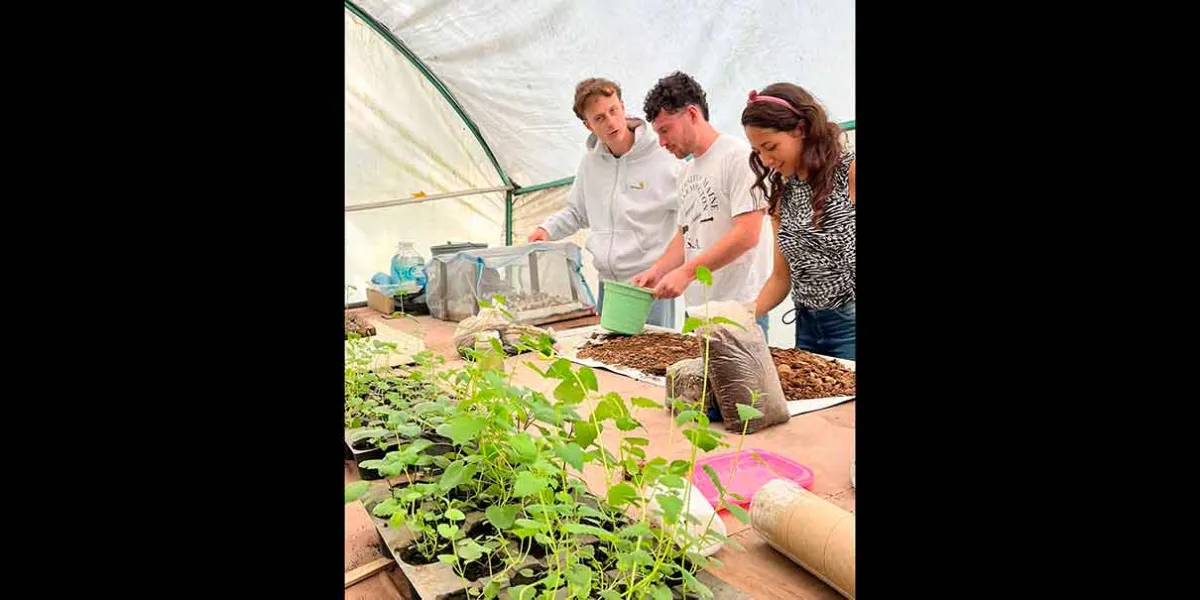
(829, 331)
(662, 312)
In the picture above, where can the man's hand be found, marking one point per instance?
(539, 235)
(673, 284)
(647, 279)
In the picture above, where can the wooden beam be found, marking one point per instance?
(368, 570)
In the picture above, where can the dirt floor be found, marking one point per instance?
(803, 375)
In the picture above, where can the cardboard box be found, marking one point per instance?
(379, 301)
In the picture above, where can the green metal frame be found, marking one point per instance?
(508, 206)
(543, 186)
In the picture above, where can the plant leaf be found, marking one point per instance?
(527, 484)
(747, 412)
(690, 324)
(671, 481)
(579, 579)
(637, 557)
(536, 370)
(526, 449)
(572, 454)
(738, 512)
(622, 493)
(686, 416)
(635, 530)
(644, 402)
(703, 275)
(580, 529)
(452, 476)
(530, 524)
(355, 490)
(462, 429)
(627, 424)
(447, 531)
(502, 517)
(725, 321)
(417, 446)
(724, 540)
(587, 511)
(385, 508)
(469, 551)
(690, 582)
(661, 592)
(447, 558)
(569, 392)
(610, 407)
(585, 433)
(522, 592)
(702, 438)
(638, 441)
(588, 378)
(560, 369)
(671, 506)
(455, 515)
(712, 474)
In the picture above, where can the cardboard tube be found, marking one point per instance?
(811, 531)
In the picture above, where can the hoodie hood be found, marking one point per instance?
(643, 142)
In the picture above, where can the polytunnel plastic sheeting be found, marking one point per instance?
(513, 65)
(372, 236)
(402, 137)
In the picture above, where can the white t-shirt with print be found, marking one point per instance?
(714, 188)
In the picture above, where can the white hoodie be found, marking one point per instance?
(630, 203)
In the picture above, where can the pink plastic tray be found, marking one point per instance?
(751, 474)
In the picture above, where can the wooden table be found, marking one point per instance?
(822, 440)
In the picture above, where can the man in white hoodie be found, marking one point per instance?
(624, 190)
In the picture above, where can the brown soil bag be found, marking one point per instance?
(740, 361)
(685, 381)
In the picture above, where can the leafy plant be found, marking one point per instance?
(515, 463)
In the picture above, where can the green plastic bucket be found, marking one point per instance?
(625, 307)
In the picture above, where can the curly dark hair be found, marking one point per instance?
(674, 93)
(822, 143)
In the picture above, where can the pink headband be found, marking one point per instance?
(754, 97)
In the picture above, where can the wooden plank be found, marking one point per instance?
(368, 570)
(558, 318)
(765, 574)
(382, 586)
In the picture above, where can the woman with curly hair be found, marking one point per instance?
(807, 178)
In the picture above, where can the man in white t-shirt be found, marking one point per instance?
(720, 223)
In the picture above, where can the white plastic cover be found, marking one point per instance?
(402, 140)
(513, 67)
